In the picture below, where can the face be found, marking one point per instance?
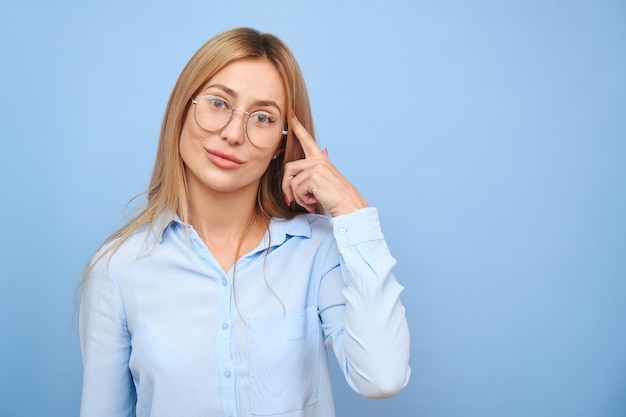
(226, 161)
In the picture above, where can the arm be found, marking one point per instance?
(108, 389)
(362, 315)
(369, 334)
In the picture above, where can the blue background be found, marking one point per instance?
(490, 135)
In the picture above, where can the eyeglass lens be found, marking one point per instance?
(213, 113)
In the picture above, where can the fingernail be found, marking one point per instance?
(287, 200)
(326, 151)
(293, 115)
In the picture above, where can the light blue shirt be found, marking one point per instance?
(165, 332)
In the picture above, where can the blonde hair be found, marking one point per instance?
(167, 192)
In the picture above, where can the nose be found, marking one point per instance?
(234, 130)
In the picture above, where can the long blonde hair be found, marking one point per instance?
(167, 192)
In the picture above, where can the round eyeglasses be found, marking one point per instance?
(213, 113)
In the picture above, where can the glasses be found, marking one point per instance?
(262, 128)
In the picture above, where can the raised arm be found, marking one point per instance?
(362, 315)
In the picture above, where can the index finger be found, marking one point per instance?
(309, 146)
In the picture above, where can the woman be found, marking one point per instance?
(218, 299)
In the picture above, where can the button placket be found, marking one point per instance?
(223, 328)
(224, 345)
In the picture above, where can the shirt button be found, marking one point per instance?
(342, 231)
(227, 374)
(224, 326)
(224, 282)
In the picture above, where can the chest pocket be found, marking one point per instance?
(284, 357)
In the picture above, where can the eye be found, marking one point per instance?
(217, 103)
(263, 119)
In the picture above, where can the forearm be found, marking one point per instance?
(375, 339)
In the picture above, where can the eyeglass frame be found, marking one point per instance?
(232, 114)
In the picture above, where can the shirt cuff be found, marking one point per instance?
(357, 227)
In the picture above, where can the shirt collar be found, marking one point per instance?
(283, 229)
(280, 229)
(165, 223)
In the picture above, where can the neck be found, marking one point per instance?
(220, 213)
(226, 222)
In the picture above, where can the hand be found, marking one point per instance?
(315, 179)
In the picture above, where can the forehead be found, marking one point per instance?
(248, 81)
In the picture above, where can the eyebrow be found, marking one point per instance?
(233, 93)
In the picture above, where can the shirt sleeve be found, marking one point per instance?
(108, 389)
(362, 315)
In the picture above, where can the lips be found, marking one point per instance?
(223, 160)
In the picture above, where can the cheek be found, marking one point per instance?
(266, 156)
(191, 132)
(186, 145)
(182, 143)
(190, 128)
(262, 163)
(259, 162)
